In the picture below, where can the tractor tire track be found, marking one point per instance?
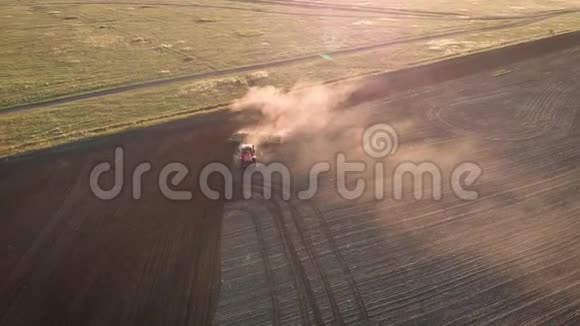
(268, 271)
(304, 237)
(341, 261)
(297, 267)
(301, 283)
(295, 263)
(267, 268)
(310, 248)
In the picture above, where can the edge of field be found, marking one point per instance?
(431, 72)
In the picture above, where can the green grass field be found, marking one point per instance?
(52, 50)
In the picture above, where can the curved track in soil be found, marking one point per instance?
(511, 257)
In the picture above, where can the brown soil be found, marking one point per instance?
(510, 257)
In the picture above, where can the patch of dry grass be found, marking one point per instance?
(107, 45)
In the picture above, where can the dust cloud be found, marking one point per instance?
(299, 110)
(317, 121)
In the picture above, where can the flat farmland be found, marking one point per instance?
(171, 81)
(510, 257)
(99, 67)
(63, 48)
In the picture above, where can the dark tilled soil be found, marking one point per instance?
(70, 258)
(510, 257)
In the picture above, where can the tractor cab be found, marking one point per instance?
(247, 154)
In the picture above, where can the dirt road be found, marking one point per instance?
(570, 37)
(510, 257)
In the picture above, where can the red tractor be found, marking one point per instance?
(247, 155)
